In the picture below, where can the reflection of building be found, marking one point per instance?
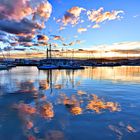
(124, 74)
(115, 74)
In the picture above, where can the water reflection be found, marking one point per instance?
(40, 109)
(26, 81)
(62, 104)
(116, 74)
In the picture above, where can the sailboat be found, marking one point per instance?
(6, 64)
(3, 67)
(70, 64)
(47, 66)
(60, 65)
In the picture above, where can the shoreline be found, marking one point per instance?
(83, 63)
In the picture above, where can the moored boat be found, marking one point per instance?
(3, 67)
(47, 67)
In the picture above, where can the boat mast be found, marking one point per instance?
(47, 54)
(50, 50)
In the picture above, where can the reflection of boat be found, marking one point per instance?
(3, 67)
(47, 67)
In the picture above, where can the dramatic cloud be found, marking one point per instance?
(80, 30)
(23, 16)
(25, 26)
(72, 16)
(100, 16)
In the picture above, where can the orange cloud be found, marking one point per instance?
(72, 15)
(99, 15)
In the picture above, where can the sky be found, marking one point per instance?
(118, 30)
(84, 24)
(125, 29)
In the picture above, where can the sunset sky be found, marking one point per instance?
(86, 24)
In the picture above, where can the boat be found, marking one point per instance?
(3, 67)
(11, 65)
(58, 65)
(47, 67)
(62, 66)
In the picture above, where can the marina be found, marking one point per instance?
(69, 70)
(55, 63)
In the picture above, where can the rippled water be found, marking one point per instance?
(96, 103)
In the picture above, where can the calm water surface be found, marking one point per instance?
(92, 104)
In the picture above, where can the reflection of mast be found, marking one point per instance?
(49, 79)
(73, 78)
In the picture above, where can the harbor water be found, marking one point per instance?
(97, 103)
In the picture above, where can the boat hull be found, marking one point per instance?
(47, 67)
(59, 67)
(3, 68)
